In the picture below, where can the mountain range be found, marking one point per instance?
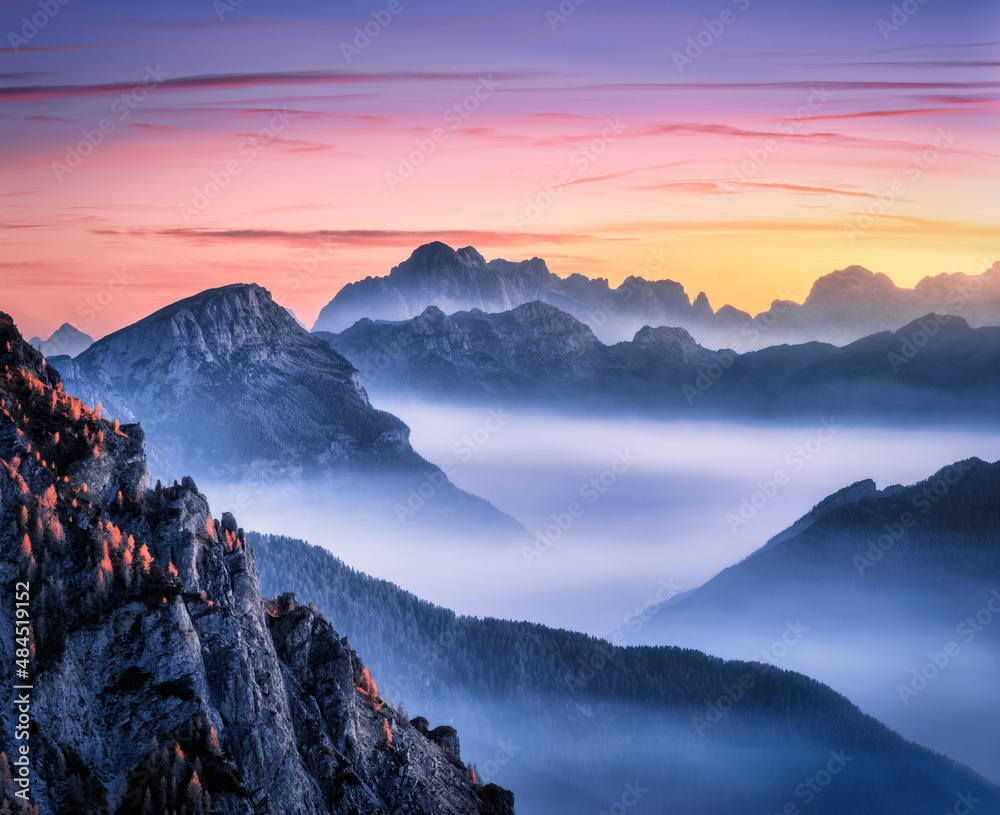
(534, 350)
(887, 582)
(842, 306)
(937, 366)
(231, 389)
(568, 720)
(153, 608)
(152, 676)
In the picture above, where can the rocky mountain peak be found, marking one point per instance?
(671, 344)
(701, 307)
(934, 325)
(160, 679)
(544, 317)
(67, 340)
(471, 256)
(664, 336)
(853, 284)
(227, 378)
(216, 325)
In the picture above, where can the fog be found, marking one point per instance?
(617, 512)
(887, 657)
(621, 515)
(671, 513)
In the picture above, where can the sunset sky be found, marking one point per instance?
(273, 144)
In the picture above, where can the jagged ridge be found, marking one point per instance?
(842, 306)
(162, 681)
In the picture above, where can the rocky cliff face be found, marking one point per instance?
(160, 680)
(842, 307)
(227, 379)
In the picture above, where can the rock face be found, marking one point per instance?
(161, 680)
(67, 341)
(842, 307)
(227, 379)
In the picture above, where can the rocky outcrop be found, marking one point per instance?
(160, 680)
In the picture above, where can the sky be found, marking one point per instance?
(741, 147)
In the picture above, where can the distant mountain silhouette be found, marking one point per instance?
(882, 580)
(68, 341)
(935, 368)
(842, 307)
(532, 350)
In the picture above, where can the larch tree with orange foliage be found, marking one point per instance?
(145, 559)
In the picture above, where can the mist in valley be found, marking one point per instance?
(658, 502)
(614, 513)
(621, 518)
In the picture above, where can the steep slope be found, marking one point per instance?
(936, 537)
(66, 341)
(576, 719)
(883, 580)
(203, 371)
(230, 389)
(154, 677)
(842, 307)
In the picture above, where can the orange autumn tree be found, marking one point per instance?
(369, 689)
(145, 559)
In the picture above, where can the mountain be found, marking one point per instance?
(842, 307)
(454, 280)
(936, 366)
(887, 582)
(852, 303)
(532, 351)
(66, 341)
(230, 389)
(201, 372)
(576, 724)
(152, 676)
